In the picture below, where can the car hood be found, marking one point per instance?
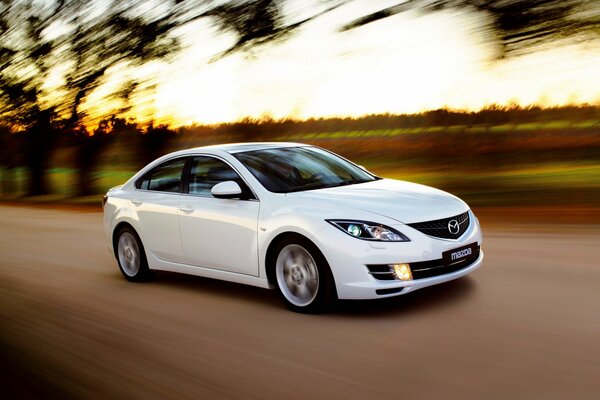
(403, 201)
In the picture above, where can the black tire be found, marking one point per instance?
(131, 256)
(302, 276)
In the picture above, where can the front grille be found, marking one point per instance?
(424, 269)
(440, 227)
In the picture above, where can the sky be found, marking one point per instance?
(402, 64)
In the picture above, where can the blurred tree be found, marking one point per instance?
(257, 22)
(23, 68)
(518, 25)
(89, 149)
(7, 160)
(54, 53)
(40, 138)
(154, 141)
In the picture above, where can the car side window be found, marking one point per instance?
(165, 177)
(206, 172)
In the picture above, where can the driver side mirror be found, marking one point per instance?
(226, 190)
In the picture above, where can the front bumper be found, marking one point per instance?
(348, 259)
(378, 289)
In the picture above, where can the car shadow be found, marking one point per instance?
(218, 288)
(418, 302)
(430, 298)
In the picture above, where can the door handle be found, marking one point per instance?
(137, 202)
(186, 208)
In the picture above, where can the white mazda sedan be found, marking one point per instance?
(289, 216)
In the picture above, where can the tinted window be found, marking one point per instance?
(164, 178)
(206, 172)
(292, 169)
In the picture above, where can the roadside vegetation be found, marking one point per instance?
(549, 157)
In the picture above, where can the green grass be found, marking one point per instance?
(63, 181)
(553, 184)
(558, 184)
(560, 175)
(444, 129)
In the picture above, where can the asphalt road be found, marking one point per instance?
(526, 325)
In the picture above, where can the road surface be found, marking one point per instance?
(526, 325)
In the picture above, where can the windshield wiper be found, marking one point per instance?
(321, 185)
(310, 186)
(353, 182)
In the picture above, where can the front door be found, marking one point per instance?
(218, 233)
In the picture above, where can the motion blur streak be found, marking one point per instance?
(525, 326)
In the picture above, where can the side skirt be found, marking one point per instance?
(161, 265)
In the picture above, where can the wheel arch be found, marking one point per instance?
(271, 254)
(115, 233)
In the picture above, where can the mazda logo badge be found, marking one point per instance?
(453, 227)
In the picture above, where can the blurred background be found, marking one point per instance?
(495, 101)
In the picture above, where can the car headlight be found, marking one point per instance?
(369, 231)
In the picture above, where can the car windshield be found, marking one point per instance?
(294, 169)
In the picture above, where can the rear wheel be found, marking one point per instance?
(131, 256)
(303, 277)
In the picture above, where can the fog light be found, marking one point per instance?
(402, 272)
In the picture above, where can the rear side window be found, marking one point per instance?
(165, 177)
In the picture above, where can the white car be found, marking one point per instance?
(289, 216)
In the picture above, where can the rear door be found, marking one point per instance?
(156, 201)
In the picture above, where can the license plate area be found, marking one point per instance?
(459, 254)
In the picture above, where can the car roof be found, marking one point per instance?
(233, 148)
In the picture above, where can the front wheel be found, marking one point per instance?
(304, 279)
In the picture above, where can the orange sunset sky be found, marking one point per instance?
(403, 64)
